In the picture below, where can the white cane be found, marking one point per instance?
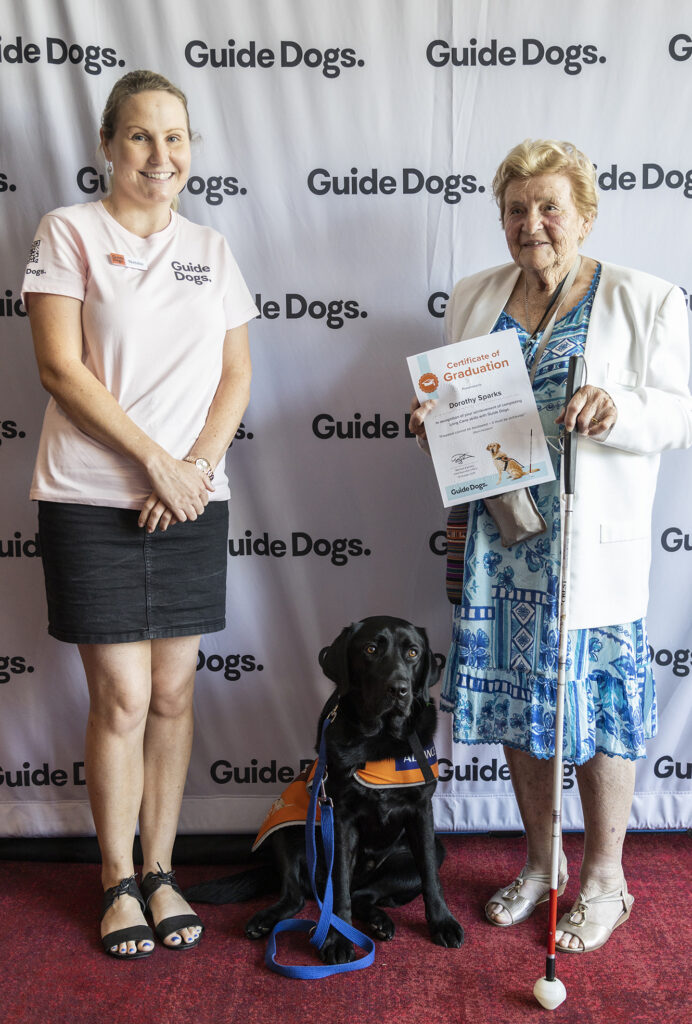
(549, 990)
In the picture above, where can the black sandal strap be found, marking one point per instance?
(170, 925)
(155, 879)
(137, 933)
(125, 887)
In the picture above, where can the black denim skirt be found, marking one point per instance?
(108, 581)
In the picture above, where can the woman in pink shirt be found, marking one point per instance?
(139, 320)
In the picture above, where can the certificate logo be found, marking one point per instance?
(428, 383)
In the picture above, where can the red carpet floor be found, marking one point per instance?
(52, 970)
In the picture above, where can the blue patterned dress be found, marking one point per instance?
(501, 674)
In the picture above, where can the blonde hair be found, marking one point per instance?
(548, 156)
(129, 85)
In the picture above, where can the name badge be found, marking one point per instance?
(118, 260)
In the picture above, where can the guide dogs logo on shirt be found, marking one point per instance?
(196, 273)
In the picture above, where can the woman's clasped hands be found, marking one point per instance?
(180, 492)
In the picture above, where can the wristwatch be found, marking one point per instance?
(202, 464)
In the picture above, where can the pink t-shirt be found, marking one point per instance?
(155, 312)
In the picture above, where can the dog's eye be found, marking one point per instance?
(370, 649)
(412, 652)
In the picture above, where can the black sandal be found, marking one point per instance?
(153, 881)
(136, 933)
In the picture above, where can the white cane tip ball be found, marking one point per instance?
(549, 993)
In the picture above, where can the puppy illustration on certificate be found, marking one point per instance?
(485, 434)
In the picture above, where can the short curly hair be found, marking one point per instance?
(548, 156)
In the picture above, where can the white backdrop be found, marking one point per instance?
(346, 152)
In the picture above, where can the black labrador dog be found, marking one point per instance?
(385, 849)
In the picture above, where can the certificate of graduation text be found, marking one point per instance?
(485, 433)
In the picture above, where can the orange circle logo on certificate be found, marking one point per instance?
(428, 383)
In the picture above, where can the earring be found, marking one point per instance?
(109, 167)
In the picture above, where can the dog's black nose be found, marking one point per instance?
(399, 689)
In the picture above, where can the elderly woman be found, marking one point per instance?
(139, 324)
(500, 679)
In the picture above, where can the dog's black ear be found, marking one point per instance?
(334, 659)
(430, 668)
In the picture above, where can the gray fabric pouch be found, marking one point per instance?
(516, 516)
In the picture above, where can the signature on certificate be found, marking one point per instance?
(460, 457)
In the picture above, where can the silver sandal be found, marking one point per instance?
(592, 935)
(520, 907)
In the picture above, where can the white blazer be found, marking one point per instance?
(637, 349)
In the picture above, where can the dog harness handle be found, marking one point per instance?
(419, 754)
(311, 972)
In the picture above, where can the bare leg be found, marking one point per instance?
(532, 780)
(606, 787)
(167, 746)
(118, 677)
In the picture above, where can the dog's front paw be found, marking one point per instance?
(337, 949)
(260, 925)
(381, 925)
(446, 932)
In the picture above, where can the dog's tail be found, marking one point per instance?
(238, 888)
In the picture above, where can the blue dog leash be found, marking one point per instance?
(319, 929)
